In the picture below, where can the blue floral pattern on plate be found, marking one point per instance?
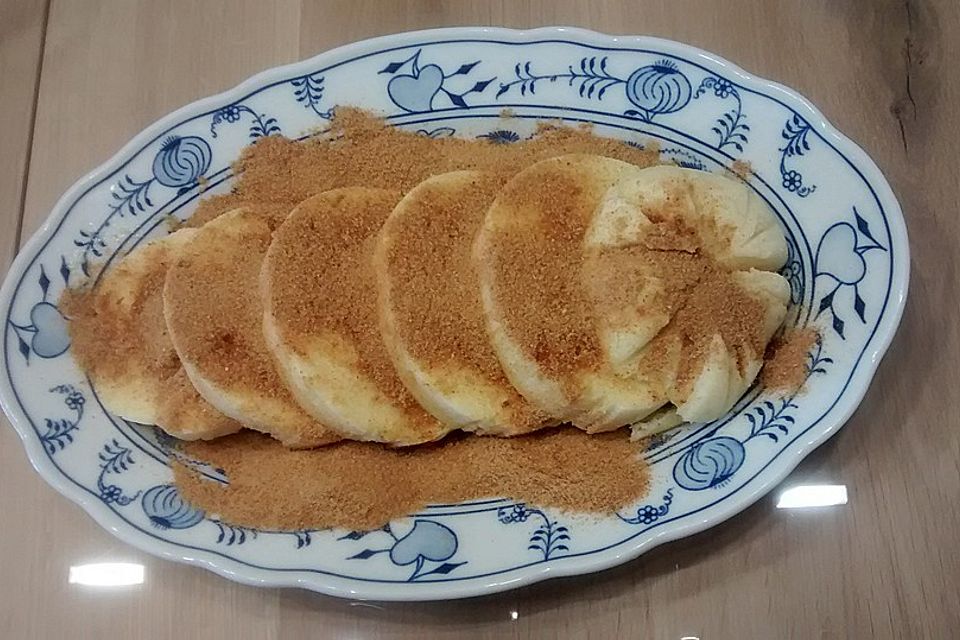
(847, 271)
(427, 548)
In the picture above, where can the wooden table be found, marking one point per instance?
(78, 78)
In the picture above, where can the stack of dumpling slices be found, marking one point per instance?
(468, 304)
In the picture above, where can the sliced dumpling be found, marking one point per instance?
(539, 290)
(684, 238)
(320, 319)
(611, 290)
(430, 311)
(214, 315)
(121, 340)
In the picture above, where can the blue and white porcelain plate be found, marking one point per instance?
(848, 271)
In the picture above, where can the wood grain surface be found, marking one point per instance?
(80, 78)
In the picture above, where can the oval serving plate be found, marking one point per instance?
(848, 271)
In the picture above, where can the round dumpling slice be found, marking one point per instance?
(320, 319)
(215, 318)
(540, 300)
(430, 311)
(121, 340)
(611, 290)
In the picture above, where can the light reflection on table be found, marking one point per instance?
(813, 495)
(107, 574)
